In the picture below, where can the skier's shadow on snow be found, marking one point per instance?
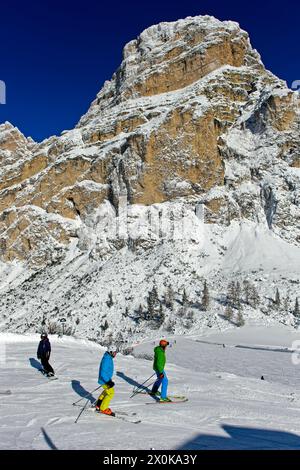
(81, 391)
(48, 440)
(132, 381)
(35, 364)
(242, 438)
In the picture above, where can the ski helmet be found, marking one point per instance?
(44, 335)
(164, 343)
(112, 349)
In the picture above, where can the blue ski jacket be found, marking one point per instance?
(44, 349)
(106, 369)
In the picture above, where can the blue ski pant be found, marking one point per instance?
(161, 382)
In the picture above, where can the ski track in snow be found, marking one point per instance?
(228, 405)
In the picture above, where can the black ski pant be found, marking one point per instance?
(46, 365)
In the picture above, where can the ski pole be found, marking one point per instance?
(83, 409)
(136, 392)
(141, 386)
(89, 393)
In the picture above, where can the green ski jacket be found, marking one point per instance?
(159, 359)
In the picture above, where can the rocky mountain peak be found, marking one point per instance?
(191, 118)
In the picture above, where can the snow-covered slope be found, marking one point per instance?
(78, 290)
(229, 406)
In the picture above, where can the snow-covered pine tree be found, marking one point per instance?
(205, 297)
(169, 297)
(161, 312)
(296, 311)
(170, 326)
(185, 300)
(250, 294)
(254, 299)
(246, 291)
(152, 303)
(238, 294)
(140, 311)
(126, 313)
(240, 318)
(286, 305)
(228, 312)
(234, 294)
(110, 301)
(231, 289)
(190, 315)
(277, 300)
(161, 315)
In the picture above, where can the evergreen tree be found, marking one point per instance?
(110, 301)
(140, 311)
(150, 307)
(169, 297)
(277, 299)
(190, 315)
(161, 312)
(161, 316)
(250, 294)
(254, 297)
(286, 305)
(296, 311)
(185, 300)
(238, 294)
(234, 295)
(247, 291)
(126, 313)
(240, 318)
(152, 302)
(205, 297)
(228, 312)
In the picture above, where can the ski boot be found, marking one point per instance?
(108, 412)
(165, 400)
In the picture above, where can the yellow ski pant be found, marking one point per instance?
(106, 396)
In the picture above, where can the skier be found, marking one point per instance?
(106, 371)
(43, 353)
(158, 366)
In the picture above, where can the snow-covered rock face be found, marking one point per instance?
(190, 119)
(171, 56)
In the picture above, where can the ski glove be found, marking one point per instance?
(110, 384)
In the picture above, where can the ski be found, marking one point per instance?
(176, 397)
(5, 392)
(120, 417)
(172, 402)
(92, 408)
(126, 413)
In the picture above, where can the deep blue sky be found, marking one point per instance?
(55, 55)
